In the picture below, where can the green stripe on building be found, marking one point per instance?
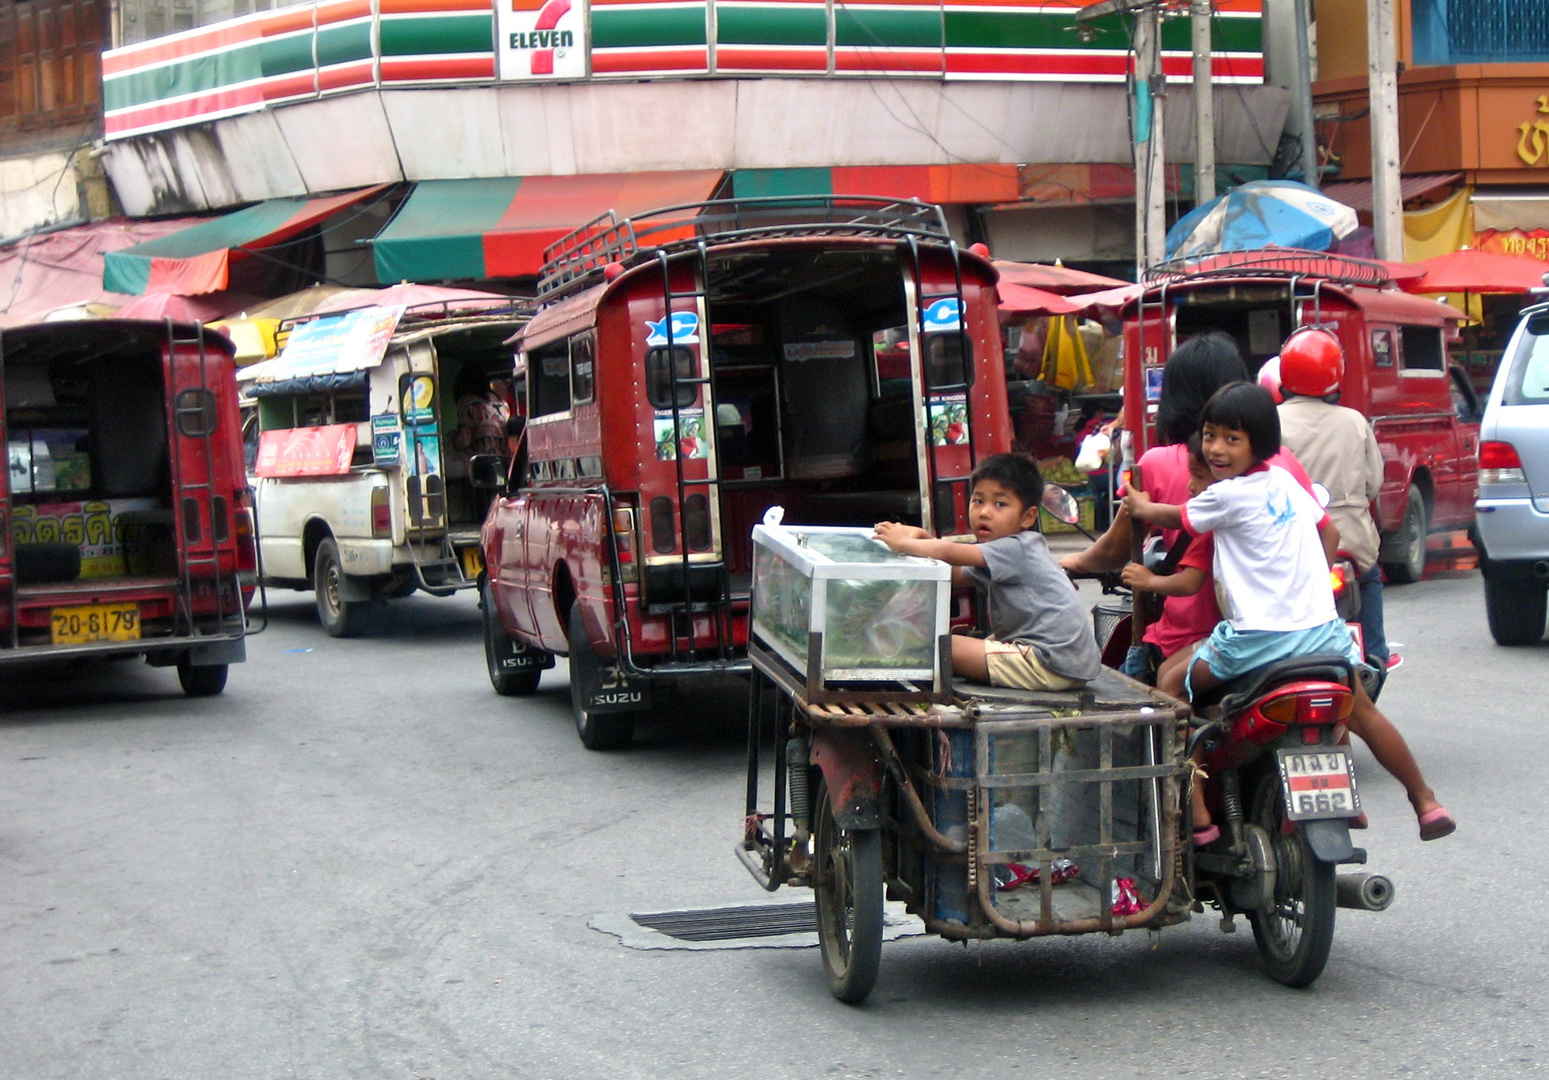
(1009, 29)
(804, 24)
(284, 54)
(888, 29)
(199, 74)
(444, 34)
(621, 28)
(341, 44)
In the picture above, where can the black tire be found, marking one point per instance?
(497, 641)
(598, 731)
(1515, 606)
(1294, 938)
(1410, 542)
(847, 890)
(340, 617)
(205, 680)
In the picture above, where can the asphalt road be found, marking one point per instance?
(359, 862)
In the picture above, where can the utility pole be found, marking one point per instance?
(1204, 105)
(1382, 74)
(1311, 172)
(1146, 100)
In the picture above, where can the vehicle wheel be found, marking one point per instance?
(598, 731)
(340, 617)
(498, 644)
(1295, 934)
(1410, 542)
(847, 888)
(205, 680)
(1515, 607)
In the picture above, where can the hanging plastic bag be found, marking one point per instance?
(1093, 455)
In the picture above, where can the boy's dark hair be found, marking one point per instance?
(1196, 369)
(1197, 451)
(1018, 472)
(1246, 406)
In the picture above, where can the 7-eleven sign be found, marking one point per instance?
(541, 39)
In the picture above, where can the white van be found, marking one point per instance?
(360, 480)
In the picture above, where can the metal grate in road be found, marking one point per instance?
(731, 923)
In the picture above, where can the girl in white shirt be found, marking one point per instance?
(1273, 547)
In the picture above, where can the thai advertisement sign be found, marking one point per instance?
(333, 345)
(537, 39)
(308, 451)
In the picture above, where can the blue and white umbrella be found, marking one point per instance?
(1261, 213)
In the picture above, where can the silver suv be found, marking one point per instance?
(1511, 515)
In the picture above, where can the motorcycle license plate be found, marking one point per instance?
(1318, 784)
(94, 622)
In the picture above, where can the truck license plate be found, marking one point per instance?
(1318, 784)
(94, 622)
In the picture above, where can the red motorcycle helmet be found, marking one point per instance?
(1269, 378)
(1311, 363)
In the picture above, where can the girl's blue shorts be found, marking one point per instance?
(1231, 653)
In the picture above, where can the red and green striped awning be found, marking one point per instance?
(962, 183)
(452, 230)
(198, 259)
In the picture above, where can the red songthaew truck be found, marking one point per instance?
(126, 526)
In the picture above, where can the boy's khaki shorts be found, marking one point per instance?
(1018, 667)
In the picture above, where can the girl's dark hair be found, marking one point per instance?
(471, 379)
(1196, 370)
(1015, 471)
(1246, 406)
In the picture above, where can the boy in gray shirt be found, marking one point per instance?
(1040, 637)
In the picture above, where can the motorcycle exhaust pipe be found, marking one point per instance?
(1363, 892)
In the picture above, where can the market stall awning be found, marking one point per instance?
(1357, 194)
(197, 259)
(1052, 278)
(1025, 300)
(457, 230)
(50, 271)
(960, 183)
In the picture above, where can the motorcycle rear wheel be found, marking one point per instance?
(1295, 934)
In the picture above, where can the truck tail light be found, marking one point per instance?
(664, 534)
(381, 514)
(624, 541)
(5, 535)
(246, 535)
(1499, 464)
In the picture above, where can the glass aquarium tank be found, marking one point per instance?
(881, 615)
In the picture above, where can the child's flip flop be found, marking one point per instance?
(1208, 835)
(1434, 824)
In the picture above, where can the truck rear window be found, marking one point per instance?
(1528, 382)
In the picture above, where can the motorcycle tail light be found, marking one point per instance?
(1337, 579)
(1309, 707)
(1312, 735)
(1282, 710)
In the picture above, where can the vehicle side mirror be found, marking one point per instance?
(487, 471)
(1061, 504)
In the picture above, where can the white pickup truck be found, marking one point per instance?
(361, 495)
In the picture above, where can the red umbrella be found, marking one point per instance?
(1470, 270)
(1114, 299)
(1025, 300)
(1055, 279)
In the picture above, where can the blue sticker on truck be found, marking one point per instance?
(685, 329)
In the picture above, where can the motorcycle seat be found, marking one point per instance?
(1232, 695)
